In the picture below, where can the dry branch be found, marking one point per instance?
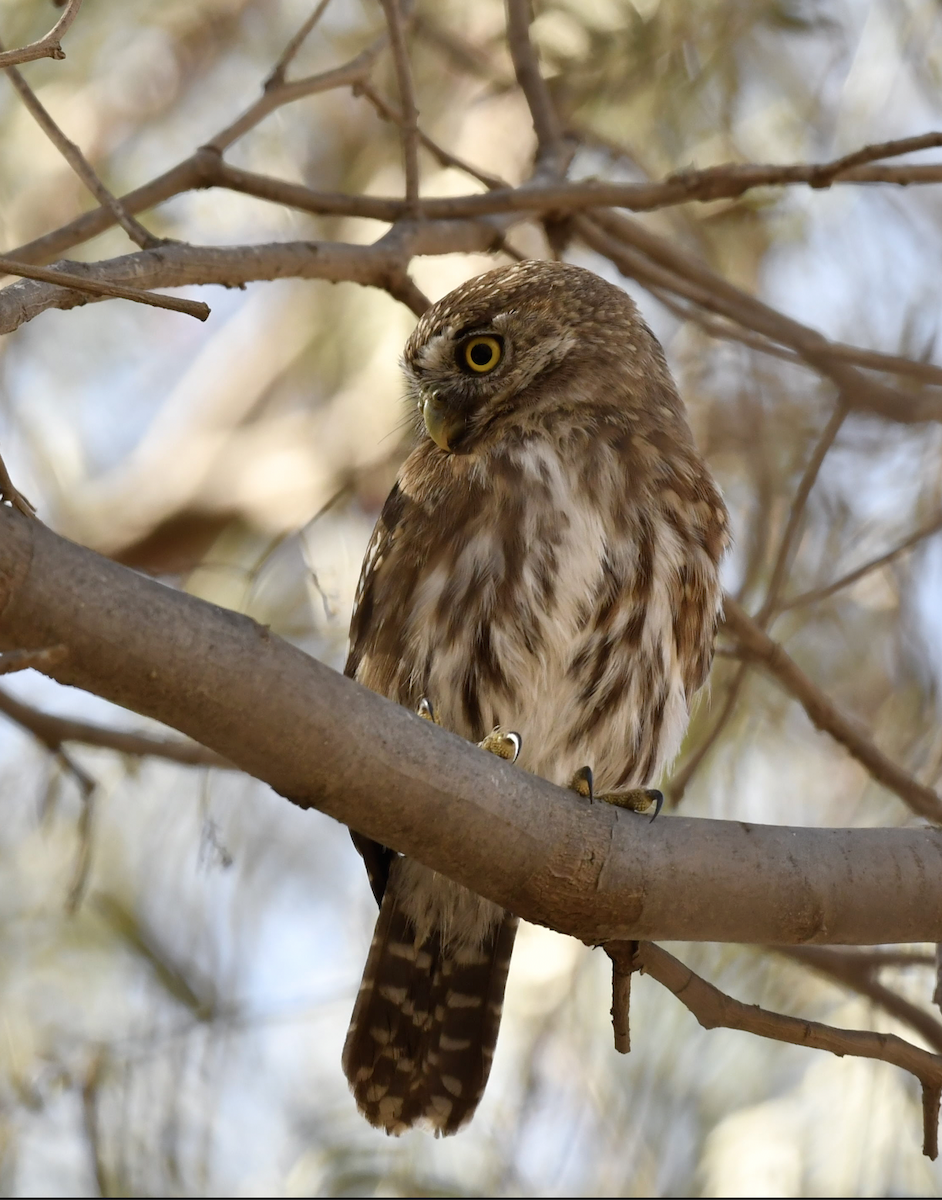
(825, 715)
(54, 732)
(324, 742)
(715, 1010)
(49, 46)
(79, 278)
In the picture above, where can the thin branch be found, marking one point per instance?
(444, 157)
(856, 970)
(49, 46)
(679, 782)
(54, 732)
(826, 716)
(651, 259)
(527, 69)
(356, 70)
(24, 660)
(797, 513)
(79, 163)
(818, 594)
(715, 1010)
(622, 955)
(409, 124)
(277, 76)
(102, 287)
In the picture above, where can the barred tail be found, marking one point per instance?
(425, 1024)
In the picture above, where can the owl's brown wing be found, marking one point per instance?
(368, 636)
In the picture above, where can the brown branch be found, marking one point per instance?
(680, 781)
(622, 955)
(79, 163)
(24, 660)
(651, 259)
(49, 46)
(797, 513)
(54, 732)
(89, 286)
(715, 1010)
(856, 970)
(409, 123)
(527, 70)
(822, 593)
(444, 157)
(277, 75)
(381, 265)
(593, 871)
(354, 71)
(826, 716)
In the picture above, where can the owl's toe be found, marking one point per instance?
(504, 743)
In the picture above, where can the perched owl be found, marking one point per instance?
(546, 563)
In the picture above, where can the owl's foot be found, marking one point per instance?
(638, 800)
(501, 742)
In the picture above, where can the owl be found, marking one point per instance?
(546, 565)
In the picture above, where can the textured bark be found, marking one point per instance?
(324, 742)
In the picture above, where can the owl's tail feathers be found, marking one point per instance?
(424, 1027)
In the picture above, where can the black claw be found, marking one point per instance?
(518, 743)
(425, 709)
(657, 797)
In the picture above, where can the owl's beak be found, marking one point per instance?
(444, 425)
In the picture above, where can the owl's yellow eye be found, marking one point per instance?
(480, 354)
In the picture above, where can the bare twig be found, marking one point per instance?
(856, 969)
(715, 1010)
(643, 255)
(680, 781)
(49, 46)
(102, 287)
(349, 73)
(445, 157)
(277, 76)
(79, 163)
(622, 955)
(527, 69)
(826, 716)
(818, 594)
(54, 732)
(23, 660)
(409, 123)
(797, 513)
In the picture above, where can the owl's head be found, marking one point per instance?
(520, 342)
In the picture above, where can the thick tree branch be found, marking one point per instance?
(324, 742)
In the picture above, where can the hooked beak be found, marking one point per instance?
(444, 425)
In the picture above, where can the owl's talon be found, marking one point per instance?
(582, 784)
(504, 743)
(637, 800)
(425, 710)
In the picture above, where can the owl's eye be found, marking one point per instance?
(480, 354)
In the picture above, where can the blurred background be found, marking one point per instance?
(180, 948)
